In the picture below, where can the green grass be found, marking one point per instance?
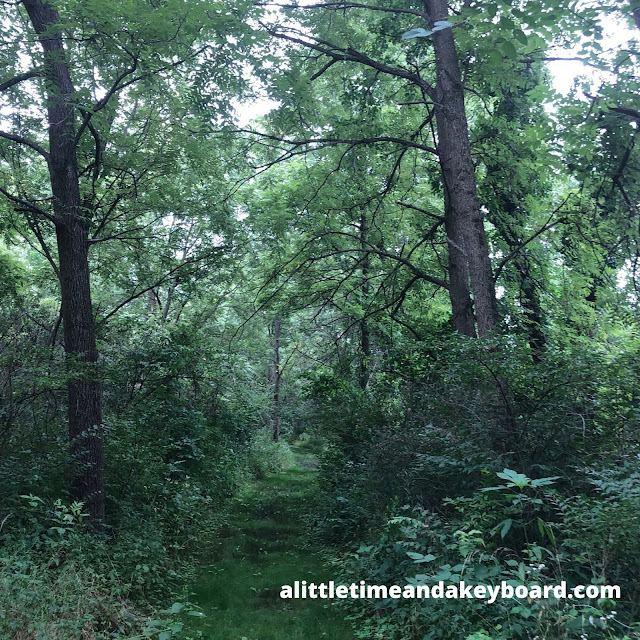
(261, 547)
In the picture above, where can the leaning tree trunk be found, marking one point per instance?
(84, 389)
(464, 220)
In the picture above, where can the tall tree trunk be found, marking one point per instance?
(84, 389)
(167, 304)
(276, 378)
(459, 292)
(529, 292)
(465, 224)
(532, 307)
(152, 301)
(365, 345)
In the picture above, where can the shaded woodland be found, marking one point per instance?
(369, 249)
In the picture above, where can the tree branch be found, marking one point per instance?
(25, 204)
(20, 140)
(632, 113)
(428, 213)
(35, 228)
(352, 142)
(337, 6)
(119, 85)
(157, 283)
(340, 54)
(326, 67)
(384, 254)
(19, 78)
(550, 222)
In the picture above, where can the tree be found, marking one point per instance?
(468, 254)
(510, 141)
(84, 391)
(442, 96)
(84, 82)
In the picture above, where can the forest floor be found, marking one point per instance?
(264, 545)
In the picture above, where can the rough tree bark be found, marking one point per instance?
(532, 307)
(469, 260)
(459, 289)
(84, 389)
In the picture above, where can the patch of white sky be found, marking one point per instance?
(261, 105)
(574, 65)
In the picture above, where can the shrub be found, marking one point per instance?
(497, 534)
(60, 582)
(266, 456)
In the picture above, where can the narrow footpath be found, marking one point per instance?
(262, 547)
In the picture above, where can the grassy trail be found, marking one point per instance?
(261, 548)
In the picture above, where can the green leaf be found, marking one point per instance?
(176, 607)
(545, 529)
(506, 23)
(508, 49)
(494, 56)
(520, 36)
(541, 482)
(445, 574)
(516, 479)
(418, 557)
(506, 526)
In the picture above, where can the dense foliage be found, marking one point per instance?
(423, 259)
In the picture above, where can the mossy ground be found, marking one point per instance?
(262, 546)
